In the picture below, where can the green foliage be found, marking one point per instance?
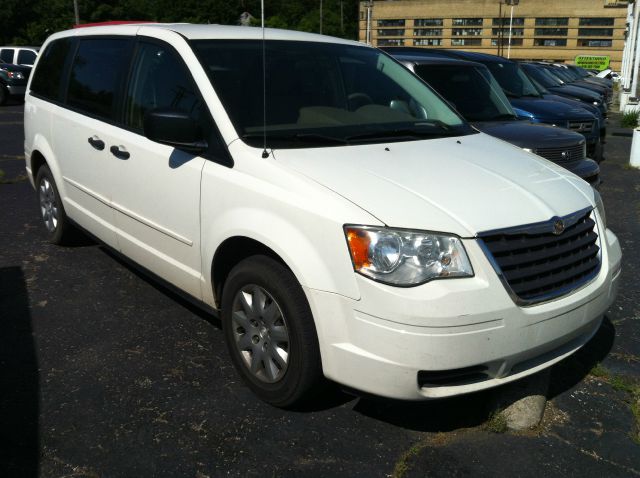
(630, 119)
(30, 22)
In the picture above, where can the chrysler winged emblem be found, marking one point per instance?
(558, 227)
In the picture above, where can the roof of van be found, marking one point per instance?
(205, 32)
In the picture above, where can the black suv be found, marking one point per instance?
(474, 92)
(13, 81)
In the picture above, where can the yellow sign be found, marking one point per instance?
(592, 62)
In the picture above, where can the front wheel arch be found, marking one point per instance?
(231, 252)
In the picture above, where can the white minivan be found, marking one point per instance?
(338, 215)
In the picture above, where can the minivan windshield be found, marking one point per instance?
(322, 94)
(473, 90)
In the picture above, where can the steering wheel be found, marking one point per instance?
(357, 100)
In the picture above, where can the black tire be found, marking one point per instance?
(60, 230)
(4, 95)
(284, 309)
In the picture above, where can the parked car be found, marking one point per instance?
(570, 77)
(539, 72)
(13, 81)
(474, 92)
(527, 102)
(339, 216)
(19, 55)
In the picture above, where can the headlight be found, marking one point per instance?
(596, 103)
(406, 258)
(16, 75)
(600, 208)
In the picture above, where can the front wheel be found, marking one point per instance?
(270, 332)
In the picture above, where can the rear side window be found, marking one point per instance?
(97, 73)
(6, 55)
(48, 75)
(26, 57)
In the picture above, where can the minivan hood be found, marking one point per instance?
(462, 185)
(530, 135)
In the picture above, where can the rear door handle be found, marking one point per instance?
(96, 142)
(119, 152)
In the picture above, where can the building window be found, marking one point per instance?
(466, 41)
(390, 23)
(475, 32)
(428, 42)
(552, 22)
(427, 22)
(427, 32)
(596, 22)
(595, 43)
(549, 42)
(551, 31)
(505, 41)
(504, 21)
(390, 42)
(466, 22)
(595, 32)
(392, 32)
(515, 32)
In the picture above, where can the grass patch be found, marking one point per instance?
(17, 179)
(497, 423)
(626, 385)
(635, 409)
(402, 465)
(599, 371)
(630, 119)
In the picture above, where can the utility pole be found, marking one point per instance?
(368, 37)
(75, 11)
(512, 3)
(320, 17)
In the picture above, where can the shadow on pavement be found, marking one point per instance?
(19, 389)
(572, 370)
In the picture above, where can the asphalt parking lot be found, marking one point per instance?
(106, 373)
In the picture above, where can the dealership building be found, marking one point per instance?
(550, 30)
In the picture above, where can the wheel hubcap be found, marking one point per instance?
(48, 205)
(261, 334)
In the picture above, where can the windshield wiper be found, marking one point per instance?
(305, 138)
(436, 128)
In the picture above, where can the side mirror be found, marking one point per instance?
(174, 128)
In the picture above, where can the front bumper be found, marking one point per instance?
(387, 342)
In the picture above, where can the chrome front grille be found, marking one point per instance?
(544, 261)
(563, 155)
(581, 126)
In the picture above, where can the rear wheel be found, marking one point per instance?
(270, 332)
(55, 220)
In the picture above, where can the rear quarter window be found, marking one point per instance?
(49, 72)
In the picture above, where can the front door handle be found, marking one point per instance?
(119, 152)
(96, 142)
